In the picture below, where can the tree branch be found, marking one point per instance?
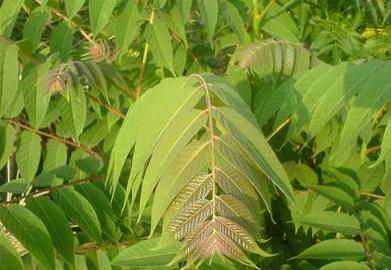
(51, 136)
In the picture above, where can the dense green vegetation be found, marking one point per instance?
(195, 134)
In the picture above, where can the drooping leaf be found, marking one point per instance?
(30, 231)
(9, 258)
(56, 223)
(35, 93)
(8, 14)
(35, 26)
(72, 7)
(61, 40)
(78, 209)
(28, 155)
(159, 40)
(9, 76)
(127, 26)
(100, 12)
(209, 12)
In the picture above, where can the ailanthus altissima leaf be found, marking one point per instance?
(202, 153)
(9, 258)
(32, 234)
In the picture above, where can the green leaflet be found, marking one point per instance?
(9, 76)
(280, 25)
(169, 145)
(186, 165)
(56, 223)
(9, 258)
(61, 40)
(336, 194)
(374, 91)
(28, 155)
(8, 14)
(72, 7)
(345, 265)
(334, 248)
(145, 126)
(127, 25)
(159, 40)
(17, 186)
(35, 26)
(144, 254)
(209, 11)
(386, 145)
(30, 231)
(333, 221)
(74, 113)
(7, 139)
(100, 13)
(235, 21)
(79, 210)
(56, 155)
(35, 92)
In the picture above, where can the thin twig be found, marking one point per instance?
(144, 62)
(372, 149)
(65, 18)
(45, 191)
(278, 129)
(107, 106)
(371, 195)
(51, 136)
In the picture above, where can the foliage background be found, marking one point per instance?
(315, 73)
